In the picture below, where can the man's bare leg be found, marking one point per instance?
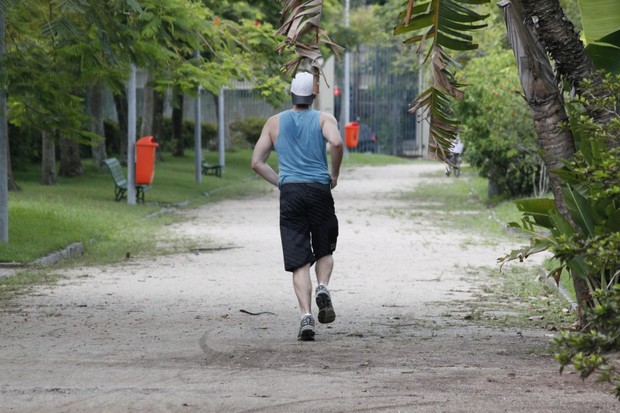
(303, 288)
(324, 267)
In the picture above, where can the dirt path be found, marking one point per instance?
(168, 334)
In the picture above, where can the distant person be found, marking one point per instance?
(308, 222)
(455, 157)
(457, 146)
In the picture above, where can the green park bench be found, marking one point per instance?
(120, 182)
(208, 169)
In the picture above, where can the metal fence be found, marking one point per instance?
(380, 99)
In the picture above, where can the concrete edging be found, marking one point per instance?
(72, 250)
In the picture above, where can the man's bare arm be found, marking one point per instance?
(261, 153)
(329, 125)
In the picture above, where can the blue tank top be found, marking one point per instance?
(301, 148)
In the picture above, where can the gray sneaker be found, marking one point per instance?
(306, 328)
(324, 302)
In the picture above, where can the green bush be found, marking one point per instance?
(588, 351)
(208, 132)
(245, 132)
(25, 146)
(498, 132)
(588, 247)
(112, 136)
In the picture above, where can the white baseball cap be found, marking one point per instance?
(302, 88)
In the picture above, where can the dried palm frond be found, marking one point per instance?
(300, 21)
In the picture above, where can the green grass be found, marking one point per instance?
(513, 299)
(25, 280)
(43, 219)
(462, 204)
(372, 159)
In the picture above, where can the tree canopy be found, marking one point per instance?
(55, 50)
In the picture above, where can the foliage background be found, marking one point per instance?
(498, 131)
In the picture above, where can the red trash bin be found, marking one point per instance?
(351, 134)
(145, 160)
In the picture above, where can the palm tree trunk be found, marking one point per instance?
(542, 95)
(547, 107)
(559, 38)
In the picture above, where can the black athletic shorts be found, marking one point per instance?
(308, 223)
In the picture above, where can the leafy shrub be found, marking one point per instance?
(587, 351)
(112, 136)
(25, 145)
(591, 185)
(245, 132)
(588, 249)
(498, 132)
(208, 135)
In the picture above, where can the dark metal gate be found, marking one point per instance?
(380, 99)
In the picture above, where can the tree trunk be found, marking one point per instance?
(177, 123)
(120, 102)
(158, 115)
(94, 103)
(158, 121)
(4, 144)
(153, 114)
(559, 38)
(546, 104)
(543, 97)
(12, 185)
(48, 159)
(493, 190)
(216, 105)
(148, 106)
(70, 162)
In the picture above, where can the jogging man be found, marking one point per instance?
(308, 223)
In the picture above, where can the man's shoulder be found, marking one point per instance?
(274, 118)
(326, 116)
(272, 125)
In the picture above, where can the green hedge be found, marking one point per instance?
(244, 133)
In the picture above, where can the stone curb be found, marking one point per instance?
(73, 250)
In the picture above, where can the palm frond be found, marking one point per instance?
(438, 25)
(300, 21)
(4, 6)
